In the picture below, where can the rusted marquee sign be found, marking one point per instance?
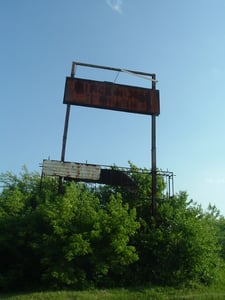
(71, 170)
(86, 172)
(111, 96)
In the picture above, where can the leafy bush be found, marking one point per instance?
(180, 244)
(104, 236)
(61, 240)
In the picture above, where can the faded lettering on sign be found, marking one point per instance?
(112, 96)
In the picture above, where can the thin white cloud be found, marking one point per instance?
(116, 5)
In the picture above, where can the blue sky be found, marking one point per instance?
(183, 42)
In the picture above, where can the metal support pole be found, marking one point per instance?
(66, 124)
(153, 154)
(169, 185)
(172, 185)
(65, 132)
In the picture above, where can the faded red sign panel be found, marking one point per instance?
(112, 96)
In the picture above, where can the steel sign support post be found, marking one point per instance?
(66, 124)
(65, 132)
(153, 157)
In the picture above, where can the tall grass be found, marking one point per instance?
(125, 294)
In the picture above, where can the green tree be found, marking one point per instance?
(63, 240)
(178, 245)
(104, 236)
(221, 226)
(85, 242)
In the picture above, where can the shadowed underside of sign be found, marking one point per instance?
(111, 96)
(86, 172)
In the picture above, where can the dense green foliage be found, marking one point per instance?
(104, 236)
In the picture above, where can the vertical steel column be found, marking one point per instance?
(60, 188)
(153, 154)
(171, 177)
(169, 180)
(65, 132)
(66, 124)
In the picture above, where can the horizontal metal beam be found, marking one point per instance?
(112, 69)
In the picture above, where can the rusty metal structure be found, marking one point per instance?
(102, 174)
(87, 173)
(112, 96)
(107, 95)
